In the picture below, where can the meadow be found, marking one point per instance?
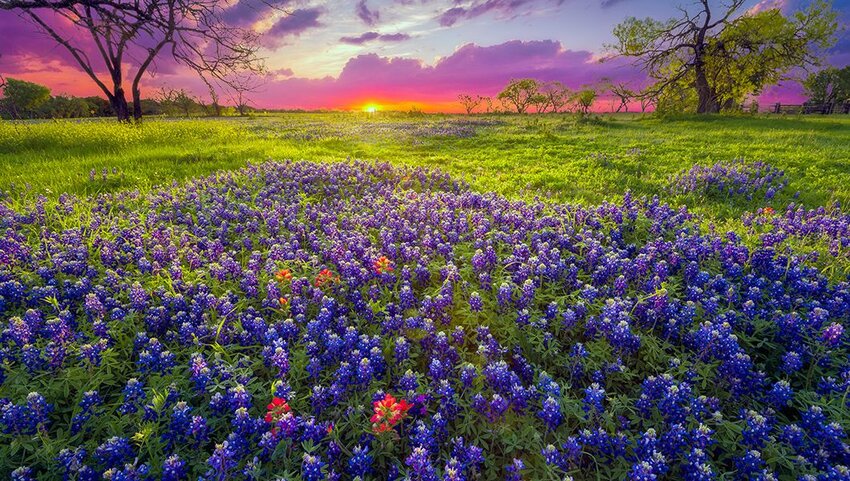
(562, 156)
(426, 297)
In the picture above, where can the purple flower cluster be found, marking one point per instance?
(374, 129)
(531, 340)
(731, 179)
(822, 226)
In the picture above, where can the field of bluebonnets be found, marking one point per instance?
(495, 298)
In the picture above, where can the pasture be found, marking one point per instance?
(565, 158)
(393, 296)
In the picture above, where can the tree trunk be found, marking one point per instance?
(708, 103)
(119, 105)
(137, 104)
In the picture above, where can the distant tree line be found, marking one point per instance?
(27, 100)
(530, 95)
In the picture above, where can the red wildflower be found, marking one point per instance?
(768, 211)
(326, 276)
(388, 413)
(283, 275)
(382, 264)
(283, 301)
(276, 409)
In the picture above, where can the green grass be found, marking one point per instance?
(558, 157)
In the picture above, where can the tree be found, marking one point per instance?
(488, 104)
(241, 86)
(135, 33)
(469, 102)
(583, 99)
(554, 96)
(100, 107)
(648, 98)
(184, 102)
(519, 94)
(621, 92)
(174, 102)
(65, 107)
(215, 106)
(725, 57)
(22, 99)
(828, 86)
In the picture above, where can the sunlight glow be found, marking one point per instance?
(370, 108)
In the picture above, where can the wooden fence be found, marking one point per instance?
(823, 109)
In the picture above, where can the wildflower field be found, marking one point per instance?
(329, 296)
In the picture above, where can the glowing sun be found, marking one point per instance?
(371, 108)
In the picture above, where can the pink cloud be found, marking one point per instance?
(470, 69)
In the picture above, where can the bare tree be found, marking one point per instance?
(133, 34)
(214, 101)
(469, 102)
(241, 86)
(622, 93)
(647, 98)
(176, 101)
(488, 104)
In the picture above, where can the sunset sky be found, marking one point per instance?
(345, 54)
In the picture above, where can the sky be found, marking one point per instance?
(399, 54)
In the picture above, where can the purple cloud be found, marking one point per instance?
(371, 36)
(611, 3)
(476, 8)
(248, 12)
(470, 69)
(369, 17)
(293, 24)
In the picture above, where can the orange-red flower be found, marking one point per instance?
(382, 264)
(276, 409)
(388, 413)
(768, 211)
(283, 275)
(325, 277)
(283, 302)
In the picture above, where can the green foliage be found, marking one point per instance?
(22, 99)
(558, 157)
(519, 94)
(552, 156)
(760, 49)
(828, 86)
(635, 36)
(584, 98)
(724, 56)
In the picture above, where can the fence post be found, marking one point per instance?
(777, 108)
